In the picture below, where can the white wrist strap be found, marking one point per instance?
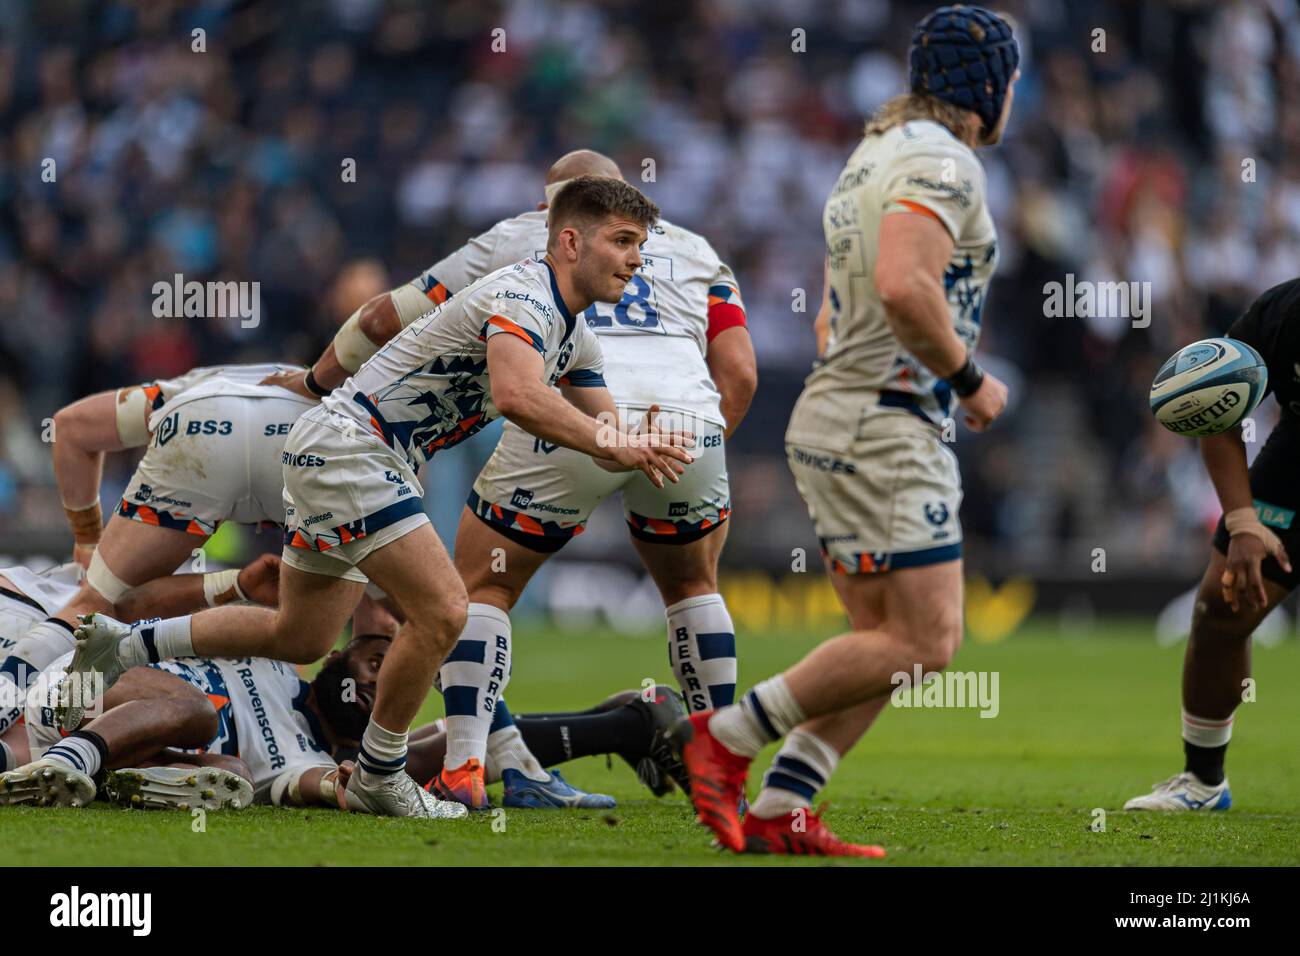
(1245, 521)
(222, 587)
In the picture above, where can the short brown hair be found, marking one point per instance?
(587, 200)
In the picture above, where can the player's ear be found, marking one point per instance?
(570, 243)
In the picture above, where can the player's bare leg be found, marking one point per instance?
(416, 573)
(313, 610)
(129, 554)
(146, 711)
(1216, 665)
(701, 636)
(920, 624)
(496, 569)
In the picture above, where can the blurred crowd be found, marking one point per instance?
(329, 149)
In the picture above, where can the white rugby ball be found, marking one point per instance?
(1208, 386)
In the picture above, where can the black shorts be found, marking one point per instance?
(1275, 486)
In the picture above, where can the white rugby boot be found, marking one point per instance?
(46, 783)
(98, 636)
(1183, 791)
(397, 795)
(178, 788)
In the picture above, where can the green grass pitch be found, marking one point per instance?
(1084, 723)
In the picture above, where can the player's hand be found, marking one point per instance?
(655, 452)
(293, 381)
(986, 404)
(341, 777)
(1242, 580)
(260, 580)
(82, 553)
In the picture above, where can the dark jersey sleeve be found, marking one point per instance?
(1272, 327)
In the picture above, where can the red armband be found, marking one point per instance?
(725, 310)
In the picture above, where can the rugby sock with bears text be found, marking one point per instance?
(702, 651)
(472, 679)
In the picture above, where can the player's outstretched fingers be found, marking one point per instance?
(1283, 558)
(1226, 581)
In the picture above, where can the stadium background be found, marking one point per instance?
(1121, 165)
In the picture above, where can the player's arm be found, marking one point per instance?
(1250, 541)
(914, 249)
(83, 432)
(371, 327)
(515, 370)
(734, 370)
(822, 323)
(598, 403)
(730, 351)
(173, 595)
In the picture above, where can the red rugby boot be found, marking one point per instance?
(787, 834)
(717, 778)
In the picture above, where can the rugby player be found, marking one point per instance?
(911, 249)
(266, 736)
(215, 438)
(1250, 571)
(680, 323)
(354, 507)
(27, 598)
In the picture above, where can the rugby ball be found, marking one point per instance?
(1208, 386)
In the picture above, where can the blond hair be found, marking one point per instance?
(918, 106)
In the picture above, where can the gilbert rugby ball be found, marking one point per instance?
(1208, 386)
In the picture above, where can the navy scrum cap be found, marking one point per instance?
(965, 56)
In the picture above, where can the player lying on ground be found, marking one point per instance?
(1250, 571)
(215, 440)
(679, 329)
(270, 737)
(864, 441)
(28, 598)
(354, 507)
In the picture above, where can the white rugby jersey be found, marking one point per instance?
(654, 340)
(428, 389)
(922, 168)
(36, 597)
(262, 715)
(235, 381)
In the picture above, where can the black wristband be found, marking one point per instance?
(967, 380)
(314, 386)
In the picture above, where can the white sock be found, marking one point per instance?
(506, 750)
(382, 753)
(767, 713)
(1205, 732)
(801, 767)
(78, 752)
(472, 679)
(702, 651)
(158, 640)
